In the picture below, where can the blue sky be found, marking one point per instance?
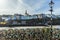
(32, 6)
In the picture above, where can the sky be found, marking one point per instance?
(10, 7)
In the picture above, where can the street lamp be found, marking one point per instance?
(51, 10)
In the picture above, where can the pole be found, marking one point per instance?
(51, 23)
(51, 10)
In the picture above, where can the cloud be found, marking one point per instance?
(19, 6)
(33, 5)
(57, 11)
